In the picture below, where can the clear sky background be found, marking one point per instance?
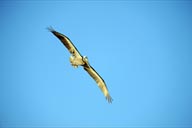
(142, 49)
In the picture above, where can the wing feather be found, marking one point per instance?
(67, 42)
(101, 83)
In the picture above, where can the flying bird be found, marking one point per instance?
(76, 59)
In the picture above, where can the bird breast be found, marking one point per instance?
(76, 61)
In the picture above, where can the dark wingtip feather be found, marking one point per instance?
(109, 98)
(50, 29)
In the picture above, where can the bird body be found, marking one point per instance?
(76, 59)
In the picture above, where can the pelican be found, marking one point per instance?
(76, 59)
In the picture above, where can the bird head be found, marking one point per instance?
(85, 59)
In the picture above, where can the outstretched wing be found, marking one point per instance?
(99, 81)
(67, 42)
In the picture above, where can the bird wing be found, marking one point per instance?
(67, 42)
(99, 81)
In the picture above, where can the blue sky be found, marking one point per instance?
(142, 49)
